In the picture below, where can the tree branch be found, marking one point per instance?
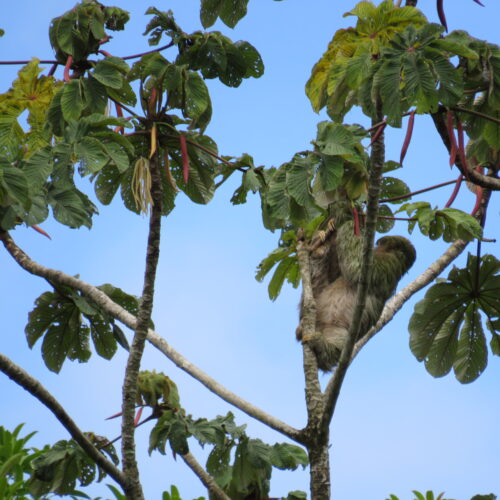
(128, 319)
(130, 467)
(205, 478)
(36, 389)
(314, 395)
(377, 159)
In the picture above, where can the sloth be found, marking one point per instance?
(335, 273)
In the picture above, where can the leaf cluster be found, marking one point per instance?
(241, 466)
(67, 321)
(80, 31)
(449, 223)
(58, 468)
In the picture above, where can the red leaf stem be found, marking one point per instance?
(377, 134)
(479, 193)
(185, 158)
(461, 146)
(41, 231)
(441, 15)
(357, 230)
(67, 66)
(409, 132)
(138, 416)
(456, 189)
(451, 133)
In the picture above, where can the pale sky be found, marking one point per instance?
(396, 428)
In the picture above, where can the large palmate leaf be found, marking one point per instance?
(67, 320)
(446, 329)
(347, 61)
(414, 70)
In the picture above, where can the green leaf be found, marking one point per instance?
(252, 58)
(232, 11)
(38, 167)
(197, 97)
(72, 101)
(127, 301)
(279, 276)
(335, 139)
(108, 74)
(209, 12)
(95, 96)
(13, 185)
(71, 207)
(107, 183)
(286, 456)
(392, 187)
(472, 354)
(91, 155)
(117, 155)
(298, 178)
(384, 221)
(103, 337)
(330, 171)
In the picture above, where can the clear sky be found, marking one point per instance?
(396, 428)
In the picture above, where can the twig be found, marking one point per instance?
(204, 477)
(476, 113)
(128, 319)
(36, 389)
(135, 56)
(420, 191)
(27, 62)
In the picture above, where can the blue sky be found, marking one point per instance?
(396, 428)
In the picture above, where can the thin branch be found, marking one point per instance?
(159, 49)
(128, 319)
(130, 467)
(420, 191)
(377, 160)
(128, 110)
(37, 390)
(204, 477)
(27, 62)
(476, 113)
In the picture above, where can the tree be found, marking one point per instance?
(68, 127)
